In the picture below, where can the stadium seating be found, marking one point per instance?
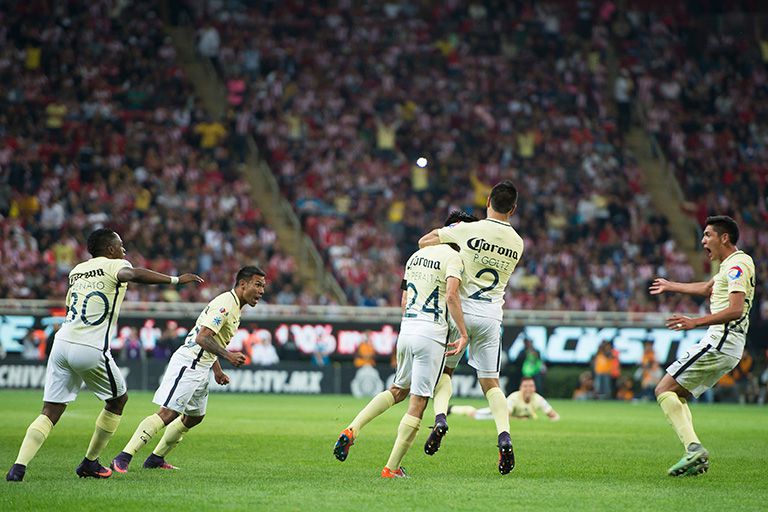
(101, 127)
(702, 87)
(343, 99)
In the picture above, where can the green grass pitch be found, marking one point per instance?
(271, 452)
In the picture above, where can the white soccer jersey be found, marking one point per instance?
(93, 303)
(519, 408)
(222, 316)
(736, 274)
(426, 273)
(490, 250)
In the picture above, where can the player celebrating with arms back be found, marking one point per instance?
(490, 250)
(80, 352)
(183, 392)
(731, 293)
(430, 292)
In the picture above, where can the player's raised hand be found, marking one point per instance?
(659, 285)
(457, 346)
(221, 378)
(236, 358)
(190, 278)
(679, 322)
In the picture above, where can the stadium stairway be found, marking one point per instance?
(666, 195)
(264, 188)
(663, 188)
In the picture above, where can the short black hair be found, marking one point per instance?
(99, 240)
(247, 272)
(459, 216)
(504, 196)
(724, 224)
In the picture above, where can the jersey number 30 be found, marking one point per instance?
(83, 310)
(432, 299)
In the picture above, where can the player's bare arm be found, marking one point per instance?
(431, 238)
(661, 285)
(206, 341)
(734, 311)
(218, 374)
(454, 308)
(403, 303)
(146, 276)
(552, 415)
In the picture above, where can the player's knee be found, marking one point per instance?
(449, 371)
(417, 406)
(53, 411)
(117, 405)
(191, 421)
(488, 384)
(167, 415)
(399, 394)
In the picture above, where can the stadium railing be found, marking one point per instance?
(344, 313)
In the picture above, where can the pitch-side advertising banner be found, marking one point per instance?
(297, 341)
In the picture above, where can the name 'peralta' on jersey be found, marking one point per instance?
(222, 316)
(490, 250)
(736, 274)
(93, 302)
(426, 273)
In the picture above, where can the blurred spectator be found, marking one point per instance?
(34, 345)
(365, 355)
(263, 353)
(603, 366)
(533, 366)
(625, 389)
(745, 381)
(586, 390)
(649, 373)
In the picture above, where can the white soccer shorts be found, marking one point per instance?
(184, 389)
(420, 362)
(701, 367)
(484, 349)
(70, 365)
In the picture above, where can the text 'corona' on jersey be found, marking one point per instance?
(479, 244)
(99, 272)
(425, 262)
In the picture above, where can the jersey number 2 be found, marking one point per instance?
(478, 294)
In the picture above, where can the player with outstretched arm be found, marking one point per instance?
(731, 293)
(81, 353)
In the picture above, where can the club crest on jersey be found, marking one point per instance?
(223, 311)
(735, 273)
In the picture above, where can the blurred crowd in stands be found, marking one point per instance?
(702, 93)
(99, 126)
(343, 98)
